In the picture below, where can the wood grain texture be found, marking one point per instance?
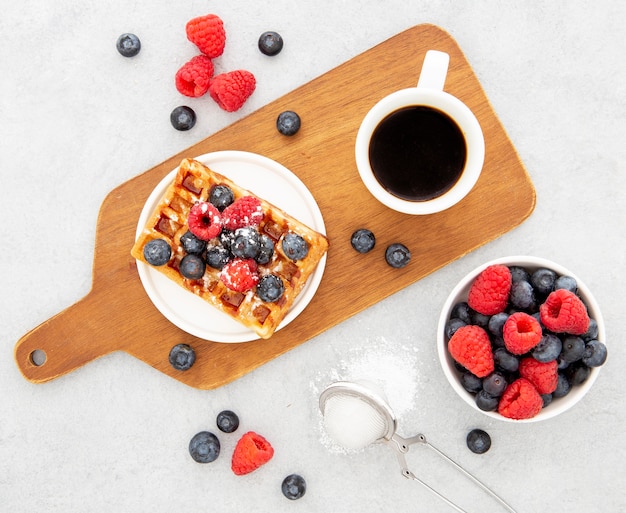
(117, 314)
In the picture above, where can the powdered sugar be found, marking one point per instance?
(391, 366)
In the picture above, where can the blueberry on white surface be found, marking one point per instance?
(204, 447)
(227, 421)
(270, 43)
(293, 487)
(128, 45)
(478, 441)
(183, 118)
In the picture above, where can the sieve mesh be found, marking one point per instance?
(352, 422)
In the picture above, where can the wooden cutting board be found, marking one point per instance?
(117, 314)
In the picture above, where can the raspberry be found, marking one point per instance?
(544, 376)
(231, 90)
(194, 77)
(520, 400)
(564, 312)
(521, 332)
(240, 274)
(208, 34)
(246, 211)
(489, 292)
(470, 346)
(251, 451)
(205, 221)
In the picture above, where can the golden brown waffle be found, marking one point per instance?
(192, 183)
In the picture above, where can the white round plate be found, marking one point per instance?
(268, 180)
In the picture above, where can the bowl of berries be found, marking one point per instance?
(521, 339)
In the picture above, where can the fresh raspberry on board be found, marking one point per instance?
(251, 451)
(520, 400)
(208, 34)
(521, 332)
(543, 375)
(489, 293)
(470, 347)
(245, 211)
(564, 312)
(194, 77)
(204, 220)
(231, 90)
(240, 274)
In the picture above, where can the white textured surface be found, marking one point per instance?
(77, 120)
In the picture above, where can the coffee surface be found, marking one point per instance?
(417, 153)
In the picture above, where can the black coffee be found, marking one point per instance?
(417, 153)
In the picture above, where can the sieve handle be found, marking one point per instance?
(402, 446)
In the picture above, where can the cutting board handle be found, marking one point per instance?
(70, 339)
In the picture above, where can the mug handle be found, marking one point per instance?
(434, 70)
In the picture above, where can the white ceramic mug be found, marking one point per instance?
(457, 123)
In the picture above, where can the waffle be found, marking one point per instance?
(192, 183)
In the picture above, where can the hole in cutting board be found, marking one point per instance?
(38, 357)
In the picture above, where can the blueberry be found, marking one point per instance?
(192, 267)
(522, 295)
(573, 349)
(294, 246)
(397, 255)
(478, 441)
(183, 118)
(204, 447)
(293, 487)
(227, 421)
(462, 311)
(270, 288)
(548, 349)
(496, 323)
(128, 45)
(157, 252)
(494, 384)
(563, 386)
(217, 257)
(288, 123)
(226, 238)
(567, 283)
(221, 196)
(577, 373)
(452, 325)
(519, 273)
(471, 383)
(595, 353)
(266, 250)
(363, 240)
(192, 244)
(246, 243)
(543, 281)
(486, 402)
(479, 319)
(182, 357)
(547, 399)
(270, 43)
(592, 331)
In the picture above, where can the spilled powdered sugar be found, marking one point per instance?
(388, 364)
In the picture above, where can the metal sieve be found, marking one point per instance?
(356, 414)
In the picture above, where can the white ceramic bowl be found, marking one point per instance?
(459, 293)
